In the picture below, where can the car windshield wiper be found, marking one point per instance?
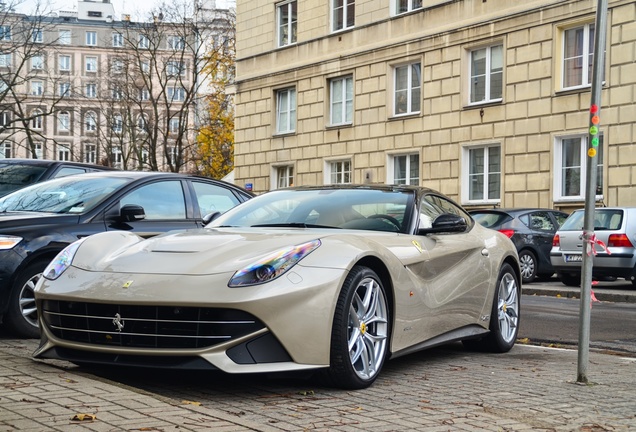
(292, 225)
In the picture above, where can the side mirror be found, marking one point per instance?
(446, 223)
(132, 213)
(210, 217)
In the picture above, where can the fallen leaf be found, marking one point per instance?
(187, 402)
(83, 417)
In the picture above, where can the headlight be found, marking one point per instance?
(62, 261)
(272, 266)
(8, 242)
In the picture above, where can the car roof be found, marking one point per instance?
(514, 211)
(383, 187)
(49, 162)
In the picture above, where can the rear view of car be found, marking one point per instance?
(614, 240)
(531, 231)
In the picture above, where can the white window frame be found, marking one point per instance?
(335, 11)
(144, 94)
(586, 55)
(411, 94)
(90, 153)
(393, 159)
(143, 42)
(287, 28)
(117, 66)
(37, 62)
(176, 94)
(63, 152)
(339, 171)
(488, 75)
(400, 7)
(64, 37)
(5, 118)
(6, 60)
(176, 43)
(117, 157)
(36, 120)
(90, 121)
(118, 40)
(173, 125)
(64, 62)
(37, 36)
(6, 150)
(91, 38)
(286, 106)
(63, 121)
(90, 91)
(37, 88)
(341, 100)
(467, 177)
(117, 125)
(90, 63)
(282, 176)
(142, 123)
(5, 32)
(64, 89)
(172, 153)
(559, 174)
(39, 150)
(175, 68)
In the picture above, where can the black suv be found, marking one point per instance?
(18, 173)
(40, 220)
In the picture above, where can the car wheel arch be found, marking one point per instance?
(44, 254)
(378, 266)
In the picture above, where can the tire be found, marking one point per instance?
(505, 314)
(570, 280)
(21, 318)
(529, 266)
(362, 322)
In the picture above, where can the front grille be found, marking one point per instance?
(136, 326)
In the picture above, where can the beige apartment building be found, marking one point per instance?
(486, 101)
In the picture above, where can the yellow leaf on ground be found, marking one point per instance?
(84, 417)
(187, 402)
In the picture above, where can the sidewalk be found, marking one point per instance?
(448, 389)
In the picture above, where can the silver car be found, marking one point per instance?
(615, 237)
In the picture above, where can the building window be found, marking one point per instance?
(5, 60)
(570, 167)
(64, 89)
(63, 152)
(90, 153)
(117, 66)
(486, 74)
(145, 67)
(37, 88)
(117, 123)
(175, 68)
(482, 173)
(37, 62)
(118, 40)
(38, 149)
(6, 148)
(144, 94)
(5, 33)
(578, 53)
(64, 37)
(63, 121)
(91, 38)
(403, 6)
(142, 123)
(284, 176)
(287, 13)
(408, 90)
(341, 92)
(117, 93)
(64, 63)
(5, 119)
(36, 119)
(176, 94)
(173, 125)
(176, 43)
(172, 154)
(286, 110)
(37, 36)
(343, 14)
(339, 171)
(404, 169)
(91, 64)
(90, 121)
(117, 158)
(91, 90)
(144, 42)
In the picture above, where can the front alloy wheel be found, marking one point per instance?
(360, 331)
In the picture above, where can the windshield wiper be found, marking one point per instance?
(293, 225)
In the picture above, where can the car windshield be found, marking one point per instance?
(14, 176)
(604, 219)
(77, 194)
(365, 209)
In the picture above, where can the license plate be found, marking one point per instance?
(573, 258)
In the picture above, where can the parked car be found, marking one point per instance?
(39, 221)
(18, 173)
(531, 230)
(614, 256)
(332, 278)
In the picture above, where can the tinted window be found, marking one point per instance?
(212, 198)
(491, 219)
(539, 221)
(15, 176)
(603, 220)
(163, 200)
(65, 195)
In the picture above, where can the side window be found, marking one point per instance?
(66, 171)
(162, 200)
(213, 198)
(432, 206)
(541, 221)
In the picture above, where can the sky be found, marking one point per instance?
(136, 8)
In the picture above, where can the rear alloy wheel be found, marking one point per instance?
(528, 264)
(22, 315)
(504, 318)
(360, 334)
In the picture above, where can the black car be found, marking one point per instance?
(39, 221)
(18, 173)
(531, 230)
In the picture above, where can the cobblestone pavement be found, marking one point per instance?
(446, 389)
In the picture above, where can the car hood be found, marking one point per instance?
(194, 252)
(21, 219)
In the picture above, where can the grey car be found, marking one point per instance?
(615, 237)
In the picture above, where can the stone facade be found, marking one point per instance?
(530, 124)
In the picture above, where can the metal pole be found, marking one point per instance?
(600, 30)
